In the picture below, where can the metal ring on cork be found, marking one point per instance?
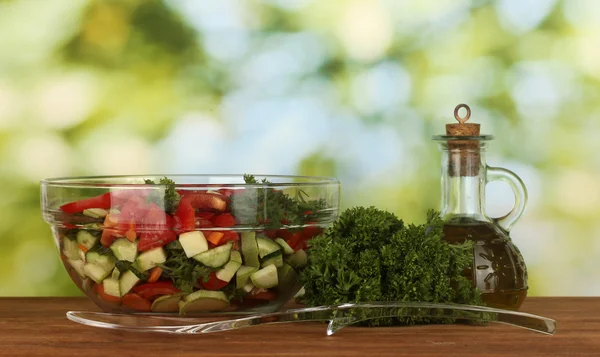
(460, 119)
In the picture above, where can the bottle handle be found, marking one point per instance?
(518, 187)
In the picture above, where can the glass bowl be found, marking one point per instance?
(188, 244)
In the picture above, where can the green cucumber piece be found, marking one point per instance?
(276, 260)
(243, 275)
(77, 266)
(248, 287)
(235, 256)
(106, 262)
(266, 247)
(297, 260)
(111, 287)
(124, 249)
(287, 277)
(115, 274)
(95, 212)
(216, 257)
(203, 301)
(127, 281)
(96, 272)
(86, 239)
(287, 250)
(193, 243)
(265, 278)
(71, 249)
(167, 303)
(228, 271)
(151, 258)
(250, 249)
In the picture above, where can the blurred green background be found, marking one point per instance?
(352, 89)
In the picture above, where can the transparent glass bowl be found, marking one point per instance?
(201, 244)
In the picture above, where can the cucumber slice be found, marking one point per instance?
(216, 257)
(167, 303)
(127, 281)
(111, 287)
(203, 301)
(266, 247)
(78, 266)
(243, 275)
(95, 212)
(193, 243)
(228, 271)
(298, 260)
(265, 278)
(106, 262)
(287, 250)
(151, 258)
(235, 256)
(86, 239)
(115, 274)
(71, 249)
(287, 277)
(276, 260)
(248, 287)
(96, 272)
(124, 249)
(250, 249)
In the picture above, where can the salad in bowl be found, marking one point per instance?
(188, 244)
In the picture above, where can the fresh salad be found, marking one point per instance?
(186, 250)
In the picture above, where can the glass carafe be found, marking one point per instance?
(498, 268)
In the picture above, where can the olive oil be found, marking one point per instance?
(498, 269)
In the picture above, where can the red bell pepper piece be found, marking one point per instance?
(229, 236)
(225, 220)
(213, 283)
(151, 290)
(151, 240)
(137, 303)
(102, 201)
(204, 201)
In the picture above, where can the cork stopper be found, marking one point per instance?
(465, 157)
(462, 128)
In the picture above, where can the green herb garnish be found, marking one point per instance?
(183, 271)
(371, 255)
(274, 208)
(171, 197)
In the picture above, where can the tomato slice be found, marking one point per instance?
(213, 283)
(99, 289)
(151, 290)
(229, 236)
(137, 303)
(225, 220)
(205, 215)
(102, 201)
(185, 215)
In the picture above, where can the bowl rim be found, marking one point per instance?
(89, 181)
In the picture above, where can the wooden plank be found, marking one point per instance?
(38, 327)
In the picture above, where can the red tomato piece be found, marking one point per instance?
(185, 216)
(225, 220)
(213, 283)
(263, 295)
(203, 223)
(102, 201)
(229, 236)
(151, 290)
(137, 303)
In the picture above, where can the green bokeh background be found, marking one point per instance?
(352, 89)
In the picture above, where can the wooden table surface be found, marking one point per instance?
(38, 327)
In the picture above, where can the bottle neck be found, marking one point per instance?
(463, 184)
